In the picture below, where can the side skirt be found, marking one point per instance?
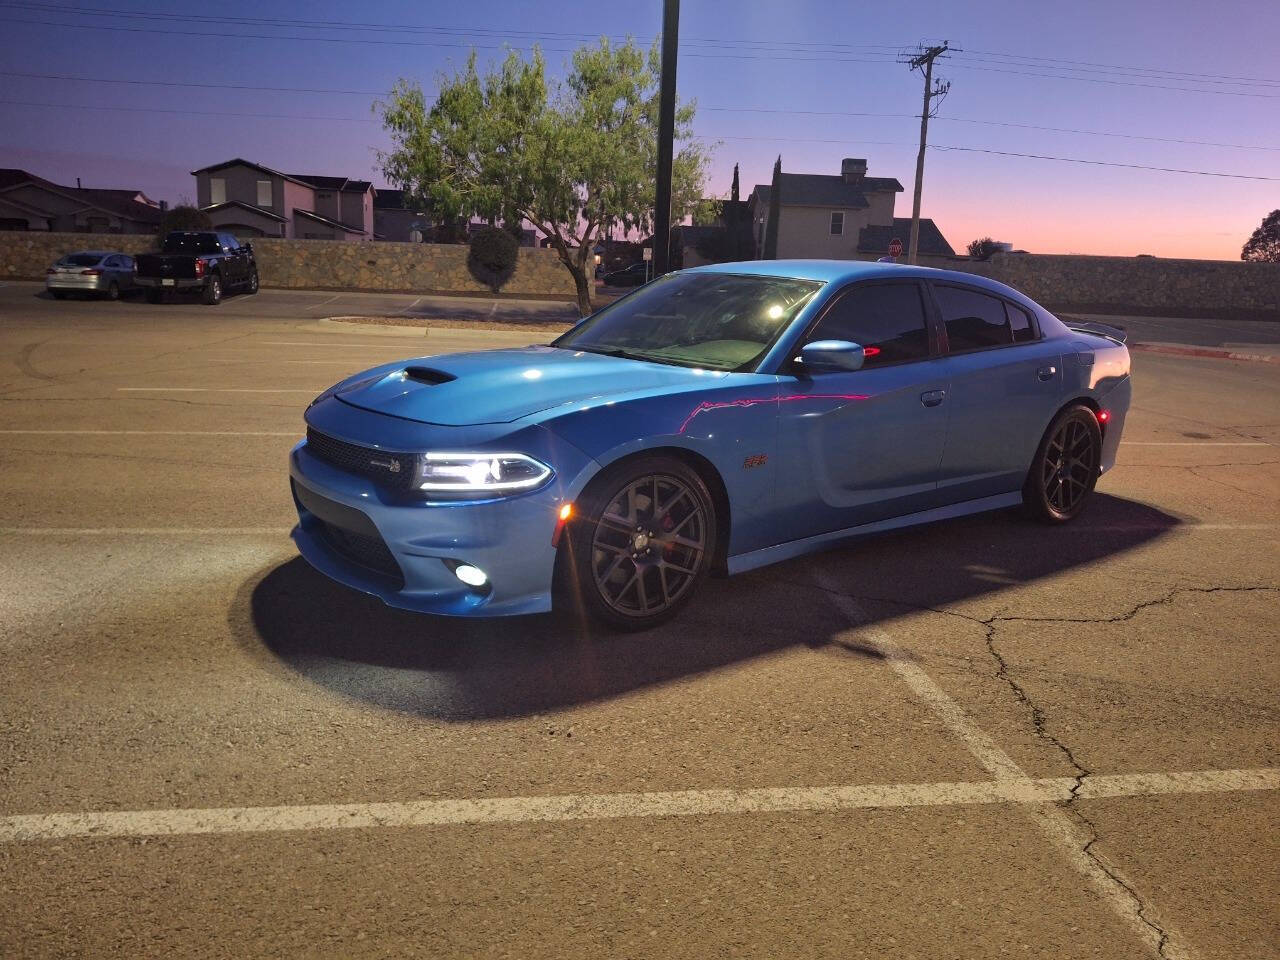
(795, 548)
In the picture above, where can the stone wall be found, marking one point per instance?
(318, 264)
(1138, 285)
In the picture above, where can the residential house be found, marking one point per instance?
(28, 202)
(251, 200)
(394, 221)
(844, 217)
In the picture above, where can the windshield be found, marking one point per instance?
(191, 243)
(721, 321)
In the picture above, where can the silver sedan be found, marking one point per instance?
(98, 272)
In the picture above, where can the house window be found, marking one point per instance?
(217, 190)
(264, 193)
(837, 223)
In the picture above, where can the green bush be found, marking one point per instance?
(184, 218)
(493, 256)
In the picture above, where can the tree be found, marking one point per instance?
(503, 145)
(183, 217)
(493, 256)
(733, 191)
(775, 207)
(983, 248)
(1264, 245)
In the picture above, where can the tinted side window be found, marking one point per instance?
(887, 319)
(974, 320)
(1023, 329)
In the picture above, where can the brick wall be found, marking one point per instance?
(1140, 285)
(317, 264)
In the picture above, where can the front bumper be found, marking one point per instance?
(400, 549)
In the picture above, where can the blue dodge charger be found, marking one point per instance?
(716, 419)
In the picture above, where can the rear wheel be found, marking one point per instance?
(643, 542)
(1065, 469)
(113, 291)
(213, 291)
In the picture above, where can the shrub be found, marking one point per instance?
(983, 248)
(184, 218)
(493, 256)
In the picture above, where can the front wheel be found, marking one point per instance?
(213, 291)
(643, 542)
(1065, 469)
(252, 286)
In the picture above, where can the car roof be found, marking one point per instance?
(91, 253)
(833, 271)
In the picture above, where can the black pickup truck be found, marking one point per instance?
(213, 263)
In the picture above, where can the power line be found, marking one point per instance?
(1116, 66)
(994, 123)
(768, 110)
(1107, 163)
(1119, 83)
(201, 113)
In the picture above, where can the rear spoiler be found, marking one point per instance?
(1110, 331)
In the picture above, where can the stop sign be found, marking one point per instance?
(895, 247)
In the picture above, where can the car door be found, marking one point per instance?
(232, 269)
(864, 445)
(1006, 385)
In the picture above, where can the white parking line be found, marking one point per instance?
(155, 433)
(613, 806)
(1061, 829)
(317, 343)
(216, 390)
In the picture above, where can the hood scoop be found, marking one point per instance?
(428, 375)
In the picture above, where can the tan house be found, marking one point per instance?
(251, 200)
(845, 217)
(28, 202)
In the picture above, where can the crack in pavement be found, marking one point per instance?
(1039, 719)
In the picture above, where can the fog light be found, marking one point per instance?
(471, 576)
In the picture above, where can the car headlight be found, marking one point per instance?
(478, 473)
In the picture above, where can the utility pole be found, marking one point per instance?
(666, 137)
(924, 59)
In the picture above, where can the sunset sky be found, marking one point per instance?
(1168, 71)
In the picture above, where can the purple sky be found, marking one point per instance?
(775, 56)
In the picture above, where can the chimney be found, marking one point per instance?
(853, 170)
(78, 183)
(164, 205)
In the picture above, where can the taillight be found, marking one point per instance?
(199, 268)
(50, 271)
(91, 273)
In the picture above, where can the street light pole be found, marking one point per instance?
(666, 137)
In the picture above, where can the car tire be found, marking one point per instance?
(113, 291)
(213, 291)
(252, 286)
(1065, 469)
(634, 579)
(58, 294)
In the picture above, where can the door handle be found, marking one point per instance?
(1047, 373)
(931, 398)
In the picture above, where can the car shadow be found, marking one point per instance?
(354, 646)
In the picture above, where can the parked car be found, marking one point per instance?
(720, 418)
(210, 262)
(631, 276)
(102, 273)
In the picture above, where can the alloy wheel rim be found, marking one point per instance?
(648, 545)
(1070, 461)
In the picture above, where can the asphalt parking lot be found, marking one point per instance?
(980, 739)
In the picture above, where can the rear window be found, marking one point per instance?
(80, 260)
(974, 320)
(191, 243)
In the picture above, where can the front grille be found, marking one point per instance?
(368, 552)
(394, 470)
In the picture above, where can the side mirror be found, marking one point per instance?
(248, 247)
(831, 355)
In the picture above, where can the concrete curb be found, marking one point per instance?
(1215, 353)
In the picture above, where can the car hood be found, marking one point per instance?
(499, 386)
